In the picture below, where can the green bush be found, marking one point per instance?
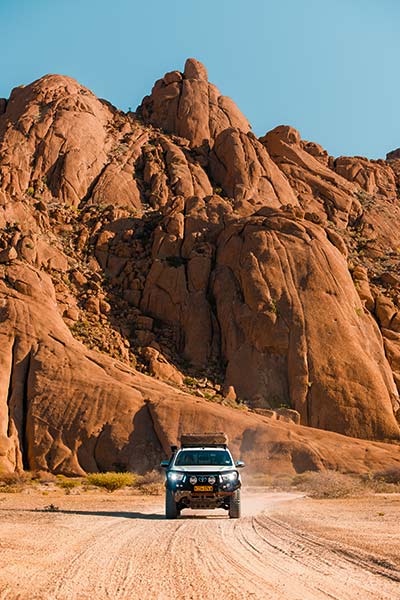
(111, 481)
(67, 483)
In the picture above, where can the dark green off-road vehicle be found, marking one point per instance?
(202, 474)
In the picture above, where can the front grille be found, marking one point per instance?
(204, 478)
(201, 479)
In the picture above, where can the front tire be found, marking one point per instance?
(234, 505)
(171, 509)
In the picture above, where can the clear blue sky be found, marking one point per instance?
(329, 68)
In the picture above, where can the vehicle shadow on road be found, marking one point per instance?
(130, 515)
(118, 514)
(98, 513)
(133, 515)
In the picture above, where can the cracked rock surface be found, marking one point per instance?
(166, 271)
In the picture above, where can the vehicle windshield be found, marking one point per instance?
(219, 458)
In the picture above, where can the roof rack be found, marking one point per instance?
(204, 439)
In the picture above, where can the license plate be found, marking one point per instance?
(203, 488)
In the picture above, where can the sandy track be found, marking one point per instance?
(121, 547)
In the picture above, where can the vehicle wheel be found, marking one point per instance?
(234, 505)
(171, 510)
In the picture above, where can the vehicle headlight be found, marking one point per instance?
(175, 476)
(211, 479)
(193, 479)
(229, 477)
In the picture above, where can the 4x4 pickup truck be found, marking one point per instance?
(202, 474)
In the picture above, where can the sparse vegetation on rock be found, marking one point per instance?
(153, 263)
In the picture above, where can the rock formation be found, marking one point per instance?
(166, 270)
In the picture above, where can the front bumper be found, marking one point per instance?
(185, 493)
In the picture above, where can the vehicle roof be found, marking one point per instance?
(203, 448)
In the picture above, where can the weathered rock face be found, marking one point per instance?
(255, 273)
(243, 168)
(375, 177)
(71, 410)
(285, 304)
(291, 322)
(318, 188)
(58, 141)
(187, 105)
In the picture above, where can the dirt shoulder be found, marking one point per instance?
(368, 524)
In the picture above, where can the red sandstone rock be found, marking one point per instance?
(243, 168)
(230, 254)
(8, 255)
(116, 416)
(318, 188)
(373, 176)
(187, 105)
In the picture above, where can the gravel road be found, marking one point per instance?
(121, 547)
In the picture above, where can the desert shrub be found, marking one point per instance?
(388, 476)
(14, 482)
(51, 508)
(151, 483)
(328, 484)
(43, 477)
(9, 489)
(67, 483)
(10, 479)
(111, 481)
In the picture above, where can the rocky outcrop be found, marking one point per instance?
(58, 141)
(242, 167)
(373, 176)
(187, 105)
(171, 243)
(286, 304)
(71, 410)
(319, 189)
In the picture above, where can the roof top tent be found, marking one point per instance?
(193, 440)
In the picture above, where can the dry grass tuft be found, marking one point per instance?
(68, 483)
(329, 484)
(150, 484)
(111, 481)
(388, 476)
(15, 482)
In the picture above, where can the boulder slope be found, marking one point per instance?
(260, 271)
(71, 410)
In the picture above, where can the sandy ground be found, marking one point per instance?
(102, 546)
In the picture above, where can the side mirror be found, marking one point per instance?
(240, 464)
(164, 464)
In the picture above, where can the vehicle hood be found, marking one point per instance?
(203, 469)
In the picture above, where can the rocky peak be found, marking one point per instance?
(187, 105)
(194, 69)
(393, 155)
